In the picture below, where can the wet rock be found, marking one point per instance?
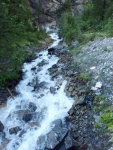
(39, 86)
(38, 116)
(55, 137)
(55, 74)
(59, 82)
(69, 143)
(41, 142)
(42, 63)
(21, 133)
(14, 130)
(32, 106)
(27, 117)
(34, 124)
(51, 51)
(55, 66)
(33, 68)
(34, 82)
(1, 127)
(52, 90)
(40, 55)
(60, 47)
(71, 111)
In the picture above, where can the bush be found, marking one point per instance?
(16, 32)
(70, 27)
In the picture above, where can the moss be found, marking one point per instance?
(96, 125)
(99, 98)
(85, 76)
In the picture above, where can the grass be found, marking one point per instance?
(85, 76)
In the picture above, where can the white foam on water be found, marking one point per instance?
(51, 107)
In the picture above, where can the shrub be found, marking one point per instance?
(16, 32)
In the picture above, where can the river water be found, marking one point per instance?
(48, 107)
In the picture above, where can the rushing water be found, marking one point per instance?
(49, 107)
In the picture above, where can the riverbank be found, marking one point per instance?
(78, 129)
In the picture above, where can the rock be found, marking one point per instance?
(70, 89)
(34, 124)
(41, 142)
(55, 74)
(70, 73)
(40, 55)
(75, 43)
(69, 143)
(71, 111)
(80, 9)
(51, 51)
(42, 63)
(1, 127)
(14, 130)
(52, 90)
(83, 147)
(27, 117)
(55, 66)
(32, 106)
(80, 100)
(59, 82)
(21, 133)
(59, 47)
(33, 68)
(55, 137)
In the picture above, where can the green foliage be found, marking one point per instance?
(100, 103)
(98, 17)
(85, 76)
(70, 27)
(107, 118)
(16, 32)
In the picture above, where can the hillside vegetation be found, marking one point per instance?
(16, 32)
(97, 19)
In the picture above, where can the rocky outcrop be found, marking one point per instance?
(45, 10)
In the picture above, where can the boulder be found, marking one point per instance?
(59, 82)
(14, 130)
(1, 127)
(80, 100)
(27, 117)
(56, 137)
(32, 106)
(52, 90)
(42, 63)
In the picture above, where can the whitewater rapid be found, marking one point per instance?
(49, 106)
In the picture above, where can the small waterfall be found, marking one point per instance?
(34, 108)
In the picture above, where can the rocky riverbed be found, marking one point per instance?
(76, 131)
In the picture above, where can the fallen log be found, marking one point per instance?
(10, 93)
(4, 143)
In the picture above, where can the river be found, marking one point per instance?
(34, 109)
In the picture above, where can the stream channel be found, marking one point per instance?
(33, 112)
